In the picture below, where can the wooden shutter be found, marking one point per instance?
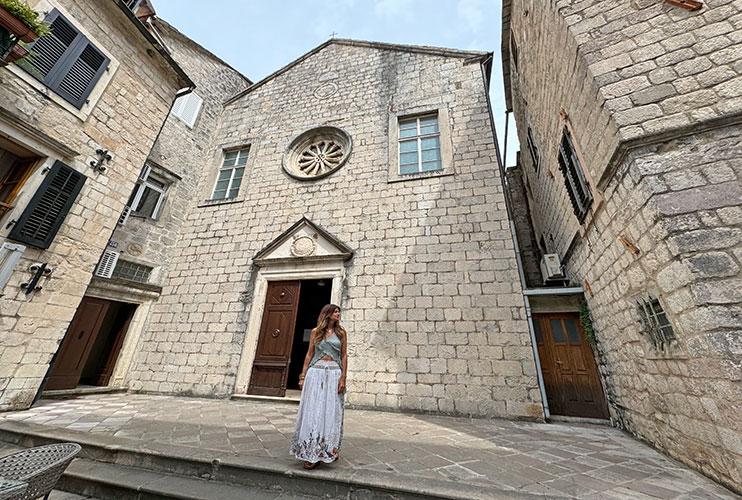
(107, 264)
(48, 208)
(66, 61)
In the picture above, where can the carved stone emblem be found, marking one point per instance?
(303, 246)
(326, 90)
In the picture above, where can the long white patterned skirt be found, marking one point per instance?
(319, 425)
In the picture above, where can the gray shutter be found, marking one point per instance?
(48, 208)
(66, 61)
(47, 51)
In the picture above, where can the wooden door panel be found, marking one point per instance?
(75, 348)
(270, 368)
(570, 374)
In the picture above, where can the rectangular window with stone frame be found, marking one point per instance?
(655, 324)
(419, 145)
(574, 179)
(147, 198)
(230, 175)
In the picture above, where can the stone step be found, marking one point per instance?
(118, 482)
(229, 470)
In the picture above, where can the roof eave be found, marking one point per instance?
(505, 52)
(151, 39)
(466, 54)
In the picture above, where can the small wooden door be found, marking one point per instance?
(271, 366)
(78, 341)
(570, 374)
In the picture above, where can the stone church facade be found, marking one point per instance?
(418, 255)
(631, 136)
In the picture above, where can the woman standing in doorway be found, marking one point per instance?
(319, 425)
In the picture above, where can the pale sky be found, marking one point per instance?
(257, 37)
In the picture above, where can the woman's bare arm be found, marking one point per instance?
(344, 360)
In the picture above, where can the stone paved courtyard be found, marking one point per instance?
(579, 461)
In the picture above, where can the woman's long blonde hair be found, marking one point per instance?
(324, 321)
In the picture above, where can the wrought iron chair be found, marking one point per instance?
(39, 467)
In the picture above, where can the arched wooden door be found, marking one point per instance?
(571, 377)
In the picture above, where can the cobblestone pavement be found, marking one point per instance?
(582, 461)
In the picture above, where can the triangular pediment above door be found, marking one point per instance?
(304, 241)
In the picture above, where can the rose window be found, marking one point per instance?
(317, 153)
(320, 158)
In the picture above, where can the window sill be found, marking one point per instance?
(420, 175)
(227, 201)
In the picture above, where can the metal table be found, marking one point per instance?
(10, 488)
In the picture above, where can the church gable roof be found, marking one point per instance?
(475, 56)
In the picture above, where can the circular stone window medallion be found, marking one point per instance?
(317, 153)
(303, 246)
(329, 89)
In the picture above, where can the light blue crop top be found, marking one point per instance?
(328, 347)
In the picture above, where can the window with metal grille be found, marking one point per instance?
(230, 175)
(131, 271)
(186, 107)
(655, 324)
(44, 214)
(574, 179)
(65, 61)
(532, 149)
(419, 145)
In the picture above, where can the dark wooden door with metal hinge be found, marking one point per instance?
(75, 348)
(571, 377)
(271, 366)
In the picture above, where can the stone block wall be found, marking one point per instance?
(125, 121)
(622, 73)
(681, 205)
(179, 150)
(431, 298)
(651, 93)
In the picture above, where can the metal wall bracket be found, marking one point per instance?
(39, 271)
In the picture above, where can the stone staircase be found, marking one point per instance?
(124, 469)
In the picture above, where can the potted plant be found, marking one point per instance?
(21, 21)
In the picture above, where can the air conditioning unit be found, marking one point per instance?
(551, 267)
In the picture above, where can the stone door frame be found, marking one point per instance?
(326, 269)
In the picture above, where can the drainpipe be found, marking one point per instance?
(521, 274)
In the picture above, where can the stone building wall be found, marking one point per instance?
(622, 73)
(179, 150)
(431, 297)
(666, 176)
(127, 107)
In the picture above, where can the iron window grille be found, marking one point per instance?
(574, 178)
(230, 175)
(66, 61)
(419, 145)
(655, 324)
(131, 271)
(532, 149)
